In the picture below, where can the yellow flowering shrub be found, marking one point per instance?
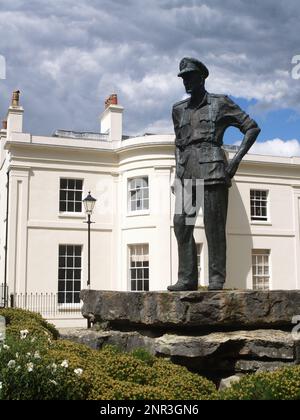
(282, 384)
(22, 317)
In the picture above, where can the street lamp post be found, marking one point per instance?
(89, 204)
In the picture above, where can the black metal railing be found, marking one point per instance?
(3, 295)
(45, 304)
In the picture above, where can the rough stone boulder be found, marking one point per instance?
(200, 310)
(214, 333)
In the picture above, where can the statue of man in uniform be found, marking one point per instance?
(199, 123)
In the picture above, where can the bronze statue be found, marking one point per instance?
(199, 123)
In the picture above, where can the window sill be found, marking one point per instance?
(66, 215)
(139, 213)
(70, 307)
(260, 223)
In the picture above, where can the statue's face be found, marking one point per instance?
(193, 82)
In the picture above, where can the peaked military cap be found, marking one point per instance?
(192, 64)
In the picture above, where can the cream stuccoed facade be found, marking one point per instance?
(106, 164)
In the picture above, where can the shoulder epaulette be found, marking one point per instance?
(181, 102)
(215, 95)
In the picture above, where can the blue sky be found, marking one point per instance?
(67, 56)
(281, 123)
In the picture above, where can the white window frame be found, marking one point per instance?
(257, 277)
(143, 210)
(260, 219)
(71, 305)
(68, 213)
(130, 268)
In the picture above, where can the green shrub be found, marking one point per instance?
(282, 384)
(26, 373)
(184, 384)
(116, 375)
(22, 316)
(34, 366)
(144, 356)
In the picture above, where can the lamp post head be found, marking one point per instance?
(89, 203)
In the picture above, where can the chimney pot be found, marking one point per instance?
(111, 100)
(15, 98)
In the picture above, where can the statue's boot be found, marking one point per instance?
(181, 286)
(216, 286)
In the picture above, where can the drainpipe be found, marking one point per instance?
(6, 241)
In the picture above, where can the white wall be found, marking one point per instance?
(37, 227)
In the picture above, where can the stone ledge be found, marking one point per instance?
(241, 351)
(200, 310)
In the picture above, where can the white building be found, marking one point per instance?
(133, 246)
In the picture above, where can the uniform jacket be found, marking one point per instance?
(199, 136)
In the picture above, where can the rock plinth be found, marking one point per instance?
(199, 310)
(217, 333)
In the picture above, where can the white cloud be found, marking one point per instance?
(276, 147)
(73, 54)
(160, 127)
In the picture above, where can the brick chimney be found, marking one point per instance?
(111, 120)
(15, 115)
(111, 100)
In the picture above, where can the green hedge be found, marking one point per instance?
(34, 365)
(25, 318)
(282, 384)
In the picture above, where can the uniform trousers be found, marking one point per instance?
(215, 204)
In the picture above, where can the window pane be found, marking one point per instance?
(63, 195)
(77, 262)
(71, 184)
(76, 298)
(70, 206)
(78, 207)
(62, 249)
(69, 286)
(61, 286)
(78, 250)
(69, 297)
(62, 206)
(70, 250)
(63, 183)
(78, 196)
(77, 286)
(78, 184)
(61, 297)
(62, 261)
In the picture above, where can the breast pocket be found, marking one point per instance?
(202, 129)
(185, 131)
